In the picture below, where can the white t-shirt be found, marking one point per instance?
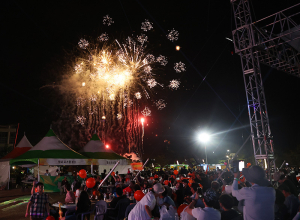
(139, 211)
(206, 213)
(77, 194)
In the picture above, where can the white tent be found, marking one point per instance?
(23, 146)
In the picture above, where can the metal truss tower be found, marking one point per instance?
(272, 44)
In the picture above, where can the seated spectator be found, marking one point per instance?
(281, 211)
(291, 201)
(70, 197)
(209, 199)
(226, 204)
(84, 203)
(259, 199)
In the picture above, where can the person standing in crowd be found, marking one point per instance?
(226, 204)
(142, 210)
(209, 199)
(186, 189)
(281, 211)
(283, 180)
(63, 183)
(259, 199)
(179, 194)
(38, 204)
(120, 196)
(78, 191)
(291, 201)
(47, 173)
(199, 202)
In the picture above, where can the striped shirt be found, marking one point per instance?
(38, 206)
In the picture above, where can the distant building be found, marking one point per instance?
(7, 138)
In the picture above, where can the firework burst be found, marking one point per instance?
(83, 43)
(147, 25)
(107, 20)
(103, 37)
(173, 35)
(111, 80)
(146, 112)
(160, 104)
(179, 67)
(174, 84)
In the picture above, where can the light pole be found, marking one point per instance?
(204, 138)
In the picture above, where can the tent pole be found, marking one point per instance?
(8, 177)
(38, 170)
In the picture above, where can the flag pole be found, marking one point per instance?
(142, 169)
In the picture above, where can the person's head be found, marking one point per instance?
(65, 178)
(256, 174)
(158, 189)
(185, 182)
(47, 171)
(215, 185)
(136, 187)
(282, 178)
(83, 198)
(179, 185)
(145, 185)
(132, 183)
(198, 176)
(209, 198)
(194, 187)
(104, 171)
(77, 185)
(40, 187)
(164, 194)
(68, 187)
(279, 197)
(285, 190)
(226, 202)
(119, 192)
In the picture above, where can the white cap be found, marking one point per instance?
(158, 188)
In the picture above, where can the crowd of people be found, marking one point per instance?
(196, 193)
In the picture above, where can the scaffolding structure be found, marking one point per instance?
(273, 41)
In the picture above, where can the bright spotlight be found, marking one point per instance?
(177, 48)
(142, 120)
(107, 146)
(204, 137)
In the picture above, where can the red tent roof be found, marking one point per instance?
(23, 146)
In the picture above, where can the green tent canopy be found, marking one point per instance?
(96, 150)
(50, 151)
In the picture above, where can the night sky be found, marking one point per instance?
(37, 37)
